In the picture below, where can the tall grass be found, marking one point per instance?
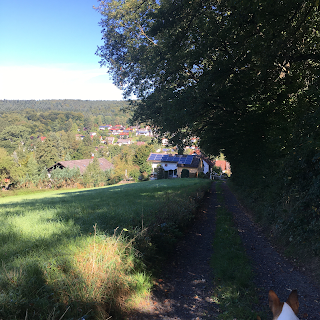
(62, 258)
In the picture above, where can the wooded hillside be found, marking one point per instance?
(109, 111)
(34, 135)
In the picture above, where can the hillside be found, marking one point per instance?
(108, 112)
(93, 107)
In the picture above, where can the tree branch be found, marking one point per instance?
(144, 34)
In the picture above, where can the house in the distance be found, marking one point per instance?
(79, 137)
(81, 164)
(174, 164)
(110, 140)
(207, 163)
(223, 165)
(106, 127)
(144, 132)
(124, 134)
(164, 141)
(121, 142)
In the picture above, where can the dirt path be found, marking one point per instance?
(273, 271)
(185, 288)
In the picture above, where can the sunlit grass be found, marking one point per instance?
(60, 252)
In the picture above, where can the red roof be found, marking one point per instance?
(221, 164)
(83, 164)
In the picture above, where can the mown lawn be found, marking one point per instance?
(60, 251)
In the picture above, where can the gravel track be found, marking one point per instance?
(271, 269)
(184, 290)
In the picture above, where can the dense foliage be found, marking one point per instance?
(19, 118)
(241, 75)
(110, 111)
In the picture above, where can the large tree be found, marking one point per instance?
(239, 74)
(243, 75)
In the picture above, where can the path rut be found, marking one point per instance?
(184, 290)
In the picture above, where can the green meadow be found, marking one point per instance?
(86, 253)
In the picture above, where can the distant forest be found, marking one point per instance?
(46, 111)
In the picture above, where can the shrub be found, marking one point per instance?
(160, 172)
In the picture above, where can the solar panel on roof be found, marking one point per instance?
(189, 160)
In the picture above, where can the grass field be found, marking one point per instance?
(74, 254)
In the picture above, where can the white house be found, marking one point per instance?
(144, 132)
(174, 164)
(120, 142)
(164, 141)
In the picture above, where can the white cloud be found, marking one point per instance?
(34, 82)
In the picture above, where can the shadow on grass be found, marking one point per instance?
(36, 235)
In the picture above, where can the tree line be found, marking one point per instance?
(111, 108)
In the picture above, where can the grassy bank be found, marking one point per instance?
(234, 289)
(81, 253)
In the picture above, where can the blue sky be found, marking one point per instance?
(47, 51)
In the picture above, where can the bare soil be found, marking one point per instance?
(184, 289)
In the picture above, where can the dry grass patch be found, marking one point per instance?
(100, 277)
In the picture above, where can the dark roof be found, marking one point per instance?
(188, 161)
(194, 164)
(82, 164)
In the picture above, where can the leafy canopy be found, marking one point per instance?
(239, 74)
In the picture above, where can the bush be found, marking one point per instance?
(63, 178)
(202, 175)
(160, 172)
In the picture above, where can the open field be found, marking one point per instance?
(59, 250)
